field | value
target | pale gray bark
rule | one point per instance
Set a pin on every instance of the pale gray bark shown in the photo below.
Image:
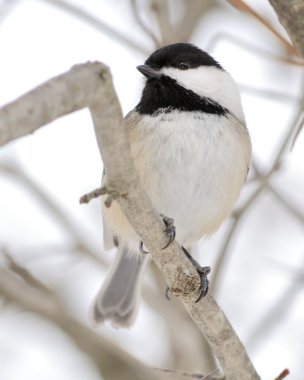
(291, 16)
(90, 85)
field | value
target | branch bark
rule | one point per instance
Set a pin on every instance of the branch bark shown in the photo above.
(291, 16)
(90, 85)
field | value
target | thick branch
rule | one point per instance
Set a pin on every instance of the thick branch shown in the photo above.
(91, 85)
(57, 97)
(291, 16)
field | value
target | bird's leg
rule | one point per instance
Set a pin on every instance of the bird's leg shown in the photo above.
(203, 273)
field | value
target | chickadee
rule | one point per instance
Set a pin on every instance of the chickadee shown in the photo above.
(191, 148)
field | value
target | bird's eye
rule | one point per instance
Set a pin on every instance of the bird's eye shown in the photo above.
(183, 65)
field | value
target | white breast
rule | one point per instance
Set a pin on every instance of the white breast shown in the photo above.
(192, 166)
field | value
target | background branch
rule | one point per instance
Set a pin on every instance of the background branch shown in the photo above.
(47, 305)
(291, 16)
(82, 243)
(96, 23)
(242, 6)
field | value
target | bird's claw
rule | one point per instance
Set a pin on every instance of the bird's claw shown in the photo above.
(203, 273)
(141, 248)
(169, 230)
(167, 293)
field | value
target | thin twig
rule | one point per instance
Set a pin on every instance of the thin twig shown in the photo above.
(81, 242)
(273, 95)
(298, 131)
(287, 140)
(149, 33)
(160, 9)
(223, 253)
(23, 272)
(112, 195)
(287, 204)
(242, 6)
(96, 23)
(252, 48)
(283, 374)
(274, 314)
(86, 198)
(194, 12)
(214, 375)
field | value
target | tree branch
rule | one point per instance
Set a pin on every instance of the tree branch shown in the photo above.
(244, 7)
(46, 304)
(253, 49)
(149, 32)
(75, 233)
(291, 16)
(69, 92)
(194, 13)
(91, 20)
(91, 85)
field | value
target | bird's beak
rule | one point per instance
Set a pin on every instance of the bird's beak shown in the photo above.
(148, 72)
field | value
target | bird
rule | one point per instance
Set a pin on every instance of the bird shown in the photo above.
(192, 150)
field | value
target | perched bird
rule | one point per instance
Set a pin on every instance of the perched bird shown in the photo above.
(192, 150)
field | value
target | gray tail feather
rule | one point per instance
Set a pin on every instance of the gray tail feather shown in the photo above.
(119, 297)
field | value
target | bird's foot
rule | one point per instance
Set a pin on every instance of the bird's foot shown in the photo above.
(203, 273)
(169, 231)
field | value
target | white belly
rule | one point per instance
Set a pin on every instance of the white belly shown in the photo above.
(192, 171)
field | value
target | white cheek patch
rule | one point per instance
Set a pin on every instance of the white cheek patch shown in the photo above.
(211, 82)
